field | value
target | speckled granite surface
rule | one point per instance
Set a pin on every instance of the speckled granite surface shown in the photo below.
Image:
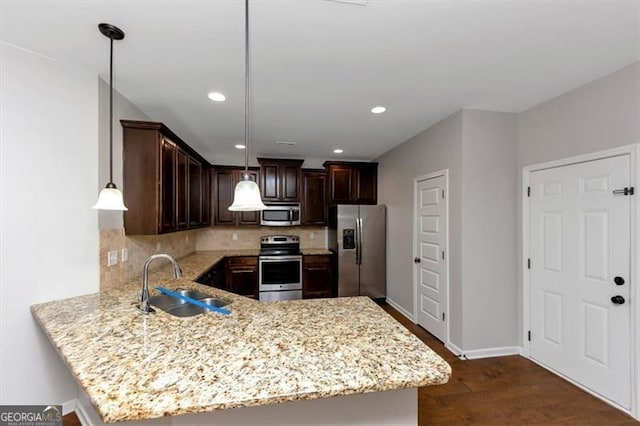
(135, 367)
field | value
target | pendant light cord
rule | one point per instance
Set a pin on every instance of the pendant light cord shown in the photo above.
(246, 89)
(111, 113)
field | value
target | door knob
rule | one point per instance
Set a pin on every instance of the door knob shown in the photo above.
(416, 260)
(618, 280)
(618, 300)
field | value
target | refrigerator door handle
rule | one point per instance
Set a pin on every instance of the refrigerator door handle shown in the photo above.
(359, 242)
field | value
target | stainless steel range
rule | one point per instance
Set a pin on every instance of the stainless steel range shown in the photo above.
(280, 268)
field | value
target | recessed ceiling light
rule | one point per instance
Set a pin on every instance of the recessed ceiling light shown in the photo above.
(338, 151)
(240, 146)
(378, 110)
(216, 96)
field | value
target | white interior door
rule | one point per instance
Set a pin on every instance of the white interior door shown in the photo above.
(430, 255)
(579, 243)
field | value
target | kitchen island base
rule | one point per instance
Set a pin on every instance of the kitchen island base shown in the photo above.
(397, 407)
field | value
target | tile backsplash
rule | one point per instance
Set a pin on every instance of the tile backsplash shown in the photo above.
(139, 247)
(180, 244)
(222, 238)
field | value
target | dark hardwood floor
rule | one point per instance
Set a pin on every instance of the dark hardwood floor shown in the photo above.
(505, 390)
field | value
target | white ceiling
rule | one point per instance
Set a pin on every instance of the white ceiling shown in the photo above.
(320, 66)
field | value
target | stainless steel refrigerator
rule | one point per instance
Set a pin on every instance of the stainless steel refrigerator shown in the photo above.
(357, 236)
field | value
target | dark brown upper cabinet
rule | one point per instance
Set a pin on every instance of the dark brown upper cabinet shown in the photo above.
(314, 197)
(164, 184)
(280, 179)
(225, 179)
(352, 182)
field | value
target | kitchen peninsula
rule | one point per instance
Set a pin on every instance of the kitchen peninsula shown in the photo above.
(134, 367)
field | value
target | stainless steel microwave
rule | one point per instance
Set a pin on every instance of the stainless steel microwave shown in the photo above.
(281, 214)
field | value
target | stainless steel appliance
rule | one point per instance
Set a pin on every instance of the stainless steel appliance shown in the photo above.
(280, 214)
(280, 268)
(357, 234)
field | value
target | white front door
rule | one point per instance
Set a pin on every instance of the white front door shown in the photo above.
(430, 255)
(579, 260)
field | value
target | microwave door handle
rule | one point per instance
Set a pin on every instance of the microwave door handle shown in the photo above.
(290, 216)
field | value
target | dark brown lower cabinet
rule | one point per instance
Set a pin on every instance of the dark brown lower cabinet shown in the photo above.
(316, 276)
(242, 276)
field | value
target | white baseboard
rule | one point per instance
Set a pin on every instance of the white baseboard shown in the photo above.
(488, 352)
(69, 406)
(400, 309)
(82, 416)
(455, 350)
(75, 405)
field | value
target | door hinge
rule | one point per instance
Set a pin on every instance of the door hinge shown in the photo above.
(529, 335)
(443, 316)
(528, 263)
(443, 193)
(625, 191)
(442, 254)
(528, 191)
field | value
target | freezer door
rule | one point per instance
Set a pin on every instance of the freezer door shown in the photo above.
(373, 264)
(347, 268)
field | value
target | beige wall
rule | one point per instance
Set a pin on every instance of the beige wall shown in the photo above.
(122, 109)
(479, 149)
(49, 237)
(489, 208)
(435, 149)
(221, 238)
(140, 247)
(600, 115)
(485, 153)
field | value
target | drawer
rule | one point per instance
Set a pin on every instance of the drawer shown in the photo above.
(323, 259)
(242, 261)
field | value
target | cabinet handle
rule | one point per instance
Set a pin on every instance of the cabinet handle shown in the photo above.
(237, 271)
(316, 269)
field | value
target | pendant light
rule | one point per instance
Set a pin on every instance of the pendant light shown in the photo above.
(110, 197)
(247, 194)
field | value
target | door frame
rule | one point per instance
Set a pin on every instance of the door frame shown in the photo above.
(633, 151)
(445, 174)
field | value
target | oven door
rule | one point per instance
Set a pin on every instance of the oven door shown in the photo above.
(278, 273)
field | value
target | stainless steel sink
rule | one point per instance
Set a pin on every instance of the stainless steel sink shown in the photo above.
(181, 308)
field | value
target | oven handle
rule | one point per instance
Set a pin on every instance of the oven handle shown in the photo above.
(280, 258)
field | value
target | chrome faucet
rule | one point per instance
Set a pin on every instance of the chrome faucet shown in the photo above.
(144, 294)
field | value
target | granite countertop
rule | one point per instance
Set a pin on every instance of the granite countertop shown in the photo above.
(136, 367)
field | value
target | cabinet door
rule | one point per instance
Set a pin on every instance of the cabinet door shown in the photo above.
(248, 218)
(290, 182)
(270, 181)
(316, 277)
(195, 193)
(366, 184)
(167, 185)
(224, 186)
(242, 276)
(182, 188)
(341, 183)
(206, 196)
(314, 205)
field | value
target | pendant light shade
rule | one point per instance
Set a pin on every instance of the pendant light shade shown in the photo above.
(246, 197)
(110, 197)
